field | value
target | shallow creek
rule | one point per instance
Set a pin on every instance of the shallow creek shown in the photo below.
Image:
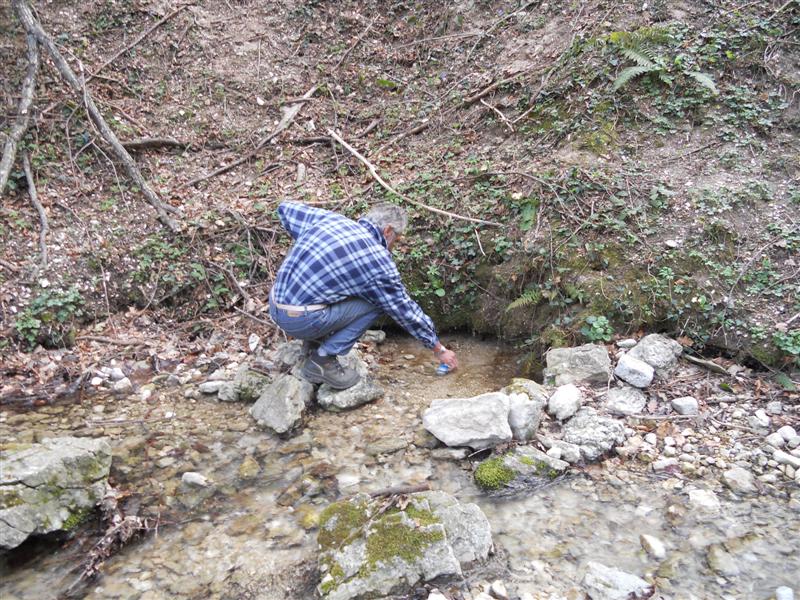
(255, 537)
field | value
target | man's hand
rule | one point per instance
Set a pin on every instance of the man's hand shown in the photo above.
(443, 355)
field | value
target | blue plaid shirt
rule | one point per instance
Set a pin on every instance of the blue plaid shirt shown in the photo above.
(334, 258)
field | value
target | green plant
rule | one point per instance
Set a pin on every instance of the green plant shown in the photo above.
(530, 297)
(49, 318)
(597, 329)
(788, 342)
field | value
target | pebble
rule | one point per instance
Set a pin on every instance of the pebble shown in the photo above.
(775, 407)
(651, 438)
(785, 458)
(194, 479)
(704, 501)
(97, 381)
(787, 432)
(669, 441)
(653, 546)
(626, 343)
(498, 590)
(123, 385)
(435, 595)
(409, 356)
(210, 387)
(663, 463)
(670, 451)
(793, 442)
(784, 593)
(775, 439)
(739, 480)
(686, 405)
(116, 374)
(762, 417)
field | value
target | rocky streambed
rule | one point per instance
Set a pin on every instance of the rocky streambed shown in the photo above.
(696, 504)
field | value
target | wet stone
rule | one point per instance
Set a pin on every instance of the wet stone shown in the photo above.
(589, 363)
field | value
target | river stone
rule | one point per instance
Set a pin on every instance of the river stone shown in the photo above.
(634, 371)
(721, 562)
(739, 480)
(594, 434)
(686, 405)
(367, 551)
(480, 422)
(366, 390)
(50, 486)
(606, 583)
(704, 502)
(589, 363)
(570, 453)
(282, 405)
(524, 416)
(625, 401)
(527, 460)
(248, 384)
(653, 546)
(658, 351)
(565, 402)
(287, 355)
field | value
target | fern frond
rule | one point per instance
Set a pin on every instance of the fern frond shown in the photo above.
(665, 79)
(528, 298)
(637, 56)
(630, 73)
(649, 35)
(704, 80)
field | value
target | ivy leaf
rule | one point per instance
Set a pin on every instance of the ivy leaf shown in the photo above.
(439, 292)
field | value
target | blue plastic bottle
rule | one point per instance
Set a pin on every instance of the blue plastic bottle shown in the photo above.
(442, 369)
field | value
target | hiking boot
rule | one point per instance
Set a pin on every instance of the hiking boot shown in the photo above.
(326, 369)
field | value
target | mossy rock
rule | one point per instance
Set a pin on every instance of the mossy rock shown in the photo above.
(493, 474)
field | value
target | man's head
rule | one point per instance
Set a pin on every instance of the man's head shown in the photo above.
(390, 219)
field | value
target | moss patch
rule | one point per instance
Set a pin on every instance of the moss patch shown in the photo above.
(76, 518)
(395, 536)
(492, 474)
(340, 521)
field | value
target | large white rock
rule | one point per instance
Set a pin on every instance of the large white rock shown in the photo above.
(479, 422)
(625, 400)
(606, 583)
(524, 416)
(634, 371)
(658, 351)
(588, 363)
(45, 487)
(282, 405)
(565, 402)
(595, 435)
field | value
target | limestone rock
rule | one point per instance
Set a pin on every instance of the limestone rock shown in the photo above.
(589, 363)
(653, 546)
(739, 480)
(375, 336)
(282, 405)
(625, 400)
(530, 388)
(565, 402)
(686, 405)
(479, 422)
(527, 400)
(364, 391)
(287, 355)
(594, 434)
(248, 384)
(570, 453)
(658, 351)
(49, 486)
(527, 460)
(606, 583)
(366, 552)
(634, 371)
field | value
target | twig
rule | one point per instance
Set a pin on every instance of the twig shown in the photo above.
(137, 40)
(288, 116)
(488, 90)
(149, 143)
(480, 246)
(23, 111)
(43, 226)
(253, 317)
(503, 118)
(401, 490)
(495, 25)
(389, 188)
(32, 26)
(113, 341)
(412, 131)
(356, 43)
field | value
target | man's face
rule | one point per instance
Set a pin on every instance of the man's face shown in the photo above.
(391, 236)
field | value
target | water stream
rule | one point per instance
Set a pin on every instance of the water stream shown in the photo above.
(256, 538)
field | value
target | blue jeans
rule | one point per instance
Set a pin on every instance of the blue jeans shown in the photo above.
(337, 327)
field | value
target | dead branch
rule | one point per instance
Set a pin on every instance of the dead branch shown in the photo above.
(389, 188)
(137, 41)
(115, 342)
(289, 115)
(356, 43)
(488, 90)
(496, 110)
(43, 225)
(149, 143)
(23, 112)
(402, 490)
(32, 26)
(412, 131)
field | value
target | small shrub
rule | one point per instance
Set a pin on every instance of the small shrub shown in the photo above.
(597, 329)
(49, 318)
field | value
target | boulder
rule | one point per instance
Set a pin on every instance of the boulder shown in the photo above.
(480, 422)
(658, 351)
(606, 583)
(634, 371)
(367, 551)
(524, 416)
(625, 400)
(282, 405)
(594, 434)
(565, 402)
(50, 486)
(587, 363)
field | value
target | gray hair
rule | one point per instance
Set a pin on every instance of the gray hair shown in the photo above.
(385, 214)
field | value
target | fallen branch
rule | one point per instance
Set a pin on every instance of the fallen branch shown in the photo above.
(288, 116)
(413, 131)
(137, 41)
(503, 118)
(23, 111)
(43, 225)
(402, 489)
(356, 43)
(488, 90)
(389, 188)
(149, 143)
(32, 26)
(113, 341)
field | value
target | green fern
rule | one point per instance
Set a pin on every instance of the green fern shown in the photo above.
(631, 73)
(528, 298)
(639, 56)
(704, 79)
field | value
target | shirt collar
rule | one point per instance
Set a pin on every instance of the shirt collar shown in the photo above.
(376, 233)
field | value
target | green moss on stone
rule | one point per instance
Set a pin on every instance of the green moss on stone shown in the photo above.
(422, 516)
(339, 521)
(76, 518)
(492, 474)
(9, 498)
(394, 536)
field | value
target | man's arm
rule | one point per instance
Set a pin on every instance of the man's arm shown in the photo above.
(296, 217)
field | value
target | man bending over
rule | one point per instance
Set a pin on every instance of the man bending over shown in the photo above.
(338, 277)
